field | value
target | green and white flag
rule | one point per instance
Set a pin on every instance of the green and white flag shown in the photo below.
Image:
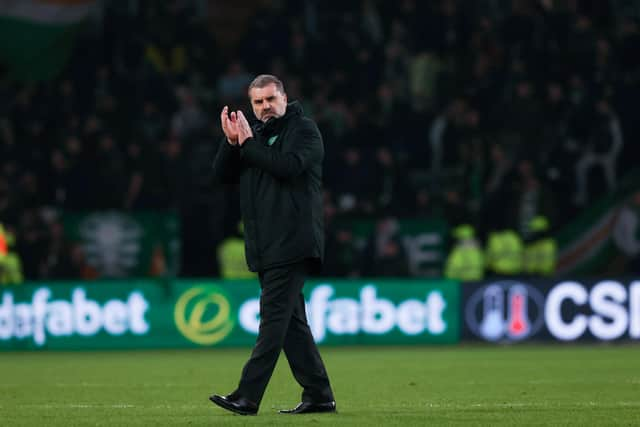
(603, 238)
(38, 35)
(126, 244)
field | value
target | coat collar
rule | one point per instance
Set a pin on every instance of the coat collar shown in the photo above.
(273, 125)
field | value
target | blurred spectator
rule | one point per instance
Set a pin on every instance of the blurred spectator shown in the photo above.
(342, 256)
(523, 119)
(554, 131)
(151, 126)
(532, 198)
(602, 149)
(77, 186)
(504, 250)
(389, 184)
(474, 168)
(424, 71)
(106, 83)
(189, 119)
(356, 191)
(443, 141)
(465, 261)
(166, 54)
(108, 177)
(10, 264)
(233, 84)
(54, 194)
(8, 208)
(78, 266)
(384, 255)
(629, 45)
(28, 194)
(496, 189)
(31, 243)
(540, 252)
(626, 233)
(424, 205)
(231, 254)
(65, 259)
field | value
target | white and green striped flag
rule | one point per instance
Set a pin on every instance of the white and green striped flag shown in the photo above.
(591, 244)
(37, 35)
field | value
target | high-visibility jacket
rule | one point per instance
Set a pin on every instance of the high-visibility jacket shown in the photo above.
(4, 244)
(174, 61)
(540, 257)
(233, 263)
(11, 270)
(465, 262)
(10, 265)
(504, 252)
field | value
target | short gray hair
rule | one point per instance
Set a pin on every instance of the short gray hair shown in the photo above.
(264, 80)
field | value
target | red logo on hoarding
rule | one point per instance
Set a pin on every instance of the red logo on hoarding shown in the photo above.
(505, 311)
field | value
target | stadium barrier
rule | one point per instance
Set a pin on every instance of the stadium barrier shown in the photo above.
(202, 313)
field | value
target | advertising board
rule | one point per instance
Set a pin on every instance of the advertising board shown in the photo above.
(205, 313)
(567, 310)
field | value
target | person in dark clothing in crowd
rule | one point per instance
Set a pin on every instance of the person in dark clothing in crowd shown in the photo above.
(342, 254)
(278, 163)
(384, 255)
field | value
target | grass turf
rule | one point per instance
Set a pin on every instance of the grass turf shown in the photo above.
(468, 385)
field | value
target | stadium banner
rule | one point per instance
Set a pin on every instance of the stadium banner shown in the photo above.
(604, 240)
(42, 35)
(506, 311)
(424, 241)
(121, 314)
(121, 244)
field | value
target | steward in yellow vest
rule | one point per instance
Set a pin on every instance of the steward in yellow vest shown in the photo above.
(233, 262)
(504, 253)
(4, 245)
(540, 253)
(466, 260)
(10, 265)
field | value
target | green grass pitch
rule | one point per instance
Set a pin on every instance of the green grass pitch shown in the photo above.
(466, 385)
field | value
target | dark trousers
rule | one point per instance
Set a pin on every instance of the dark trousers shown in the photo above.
(283, 325)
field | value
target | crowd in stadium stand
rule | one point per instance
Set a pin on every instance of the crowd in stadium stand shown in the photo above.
(483, 112)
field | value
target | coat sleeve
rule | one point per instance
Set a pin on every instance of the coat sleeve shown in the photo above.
(226, 165)
(305, 150)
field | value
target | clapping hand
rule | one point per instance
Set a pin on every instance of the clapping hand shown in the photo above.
(229, 125)
(243, 128)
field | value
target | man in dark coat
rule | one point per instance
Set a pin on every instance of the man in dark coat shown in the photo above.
(278, 163)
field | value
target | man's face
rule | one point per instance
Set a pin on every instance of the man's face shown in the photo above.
(267, 102)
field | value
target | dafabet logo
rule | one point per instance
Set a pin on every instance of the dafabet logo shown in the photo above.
(203, 315)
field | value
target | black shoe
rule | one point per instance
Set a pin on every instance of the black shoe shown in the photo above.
(236, 404)
(311, 408)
